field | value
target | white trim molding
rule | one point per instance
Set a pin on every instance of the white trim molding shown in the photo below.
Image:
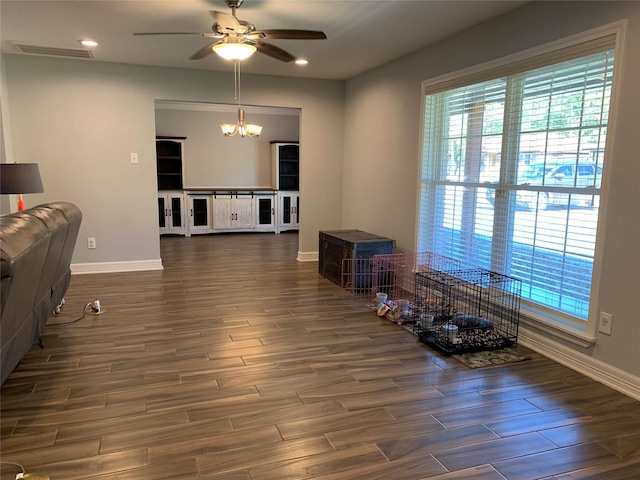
(612, 377)
(307, 256)
(225, 107)
(116, 267)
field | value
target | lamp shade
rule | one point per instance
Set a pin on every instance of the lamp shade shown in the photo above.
(18, 178)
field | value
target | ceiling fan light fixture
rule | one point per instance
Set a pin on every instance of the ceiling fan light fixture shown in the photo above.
(232, 48)
(302, 61)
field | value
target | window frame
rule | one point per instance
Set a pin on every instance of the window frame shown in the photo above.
(540, 317)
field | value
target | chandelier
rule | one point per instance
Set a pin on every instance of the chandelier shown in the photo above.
(242, 128)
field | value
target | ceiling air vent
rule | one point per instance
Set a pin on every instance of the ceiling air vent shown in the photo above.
(55, 51)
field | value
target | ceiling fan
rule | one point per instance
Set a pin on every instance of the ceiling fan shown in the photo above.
(241, 36)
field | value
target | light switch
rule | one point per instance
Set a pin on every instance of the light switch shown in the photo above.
(134, 158)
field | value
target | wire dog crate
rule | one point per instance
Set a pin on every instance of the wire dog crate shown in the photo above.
(357, 276)
(394, 275)
(467, 310)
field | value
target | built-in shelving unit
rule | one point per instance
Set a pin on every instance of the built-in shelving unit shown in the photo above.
(286, 165)
(190, 211)
(169, 152)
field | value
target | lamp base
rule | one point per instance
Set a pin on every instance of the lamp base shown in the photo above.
(20, 203)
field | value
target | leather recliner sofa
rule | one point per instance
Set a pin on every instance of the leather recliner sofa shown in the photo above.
(36, 246)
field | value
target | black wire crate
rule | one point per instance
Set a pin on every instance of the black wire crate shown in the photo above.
(467, 310)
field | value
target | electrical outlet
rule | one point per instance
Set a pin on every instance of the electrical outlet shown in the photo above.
(606, 319)
(91, 243)
(134, 158)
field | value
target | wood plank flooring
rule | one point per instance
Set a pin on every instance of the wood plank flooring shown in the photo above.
(237, 362)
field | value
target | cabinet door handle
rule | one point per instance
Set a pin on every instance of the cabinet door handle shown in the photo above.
(169, 212)
(191, 212)
(166, 212)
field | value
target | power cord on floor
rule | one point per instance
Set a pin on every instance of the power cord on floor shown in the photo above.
(91, 308)
(24, 475)
(18, 475)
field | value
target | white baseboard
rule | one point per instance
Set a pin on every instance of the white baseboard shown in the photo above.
(307, 256)
(116, 267)
(612, 377)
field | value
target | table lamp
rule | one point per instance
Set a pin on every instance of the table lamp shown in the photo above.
(20, 178)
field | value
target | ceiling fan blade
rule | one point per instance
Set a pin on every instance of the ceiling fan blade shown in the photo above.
(167, 33)
(203, 52)
(275, 52)
(207, 35)
(291, 34)
(226, 23)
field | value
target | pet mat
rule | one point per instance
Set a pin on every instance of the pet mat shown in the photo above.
(490, 358)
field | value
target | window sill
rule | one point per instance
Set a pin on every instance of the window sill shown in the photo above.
(557, 327)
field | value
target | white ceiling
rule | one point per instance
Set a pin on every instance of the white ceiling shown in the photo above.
(362, 34)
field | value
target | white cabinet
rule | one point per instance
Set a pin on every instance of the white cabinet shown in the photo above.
(233, 211)
(199, 214)
(285, 159)
(171, 213)
(265, 211)
(288, 210)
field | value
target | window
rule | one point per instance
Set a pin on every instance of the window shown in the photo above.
(511, 173)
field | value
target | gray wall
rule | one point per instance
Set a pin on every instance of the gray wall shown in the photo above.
(213, 160)
(382, 141)
(80, 120)
(6, 153)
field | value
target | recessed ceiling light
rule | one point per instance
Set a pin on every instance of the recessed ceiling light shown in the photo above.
(301, 61)
(89, 43)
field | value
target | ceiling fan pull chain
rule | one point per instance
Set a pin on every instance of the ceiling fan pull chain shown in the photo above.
(237, 69)
(238, 81)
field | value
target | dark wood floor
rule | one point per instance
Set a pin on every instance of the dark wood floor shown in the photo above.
(238, 362)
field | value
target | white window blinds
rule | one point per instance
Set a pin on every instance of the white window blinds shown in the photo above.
(512, 168)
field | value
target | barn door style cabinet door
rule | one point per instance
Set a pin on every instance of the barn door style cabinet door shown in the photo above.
(171, 213)
(232, 211)
(288, 211)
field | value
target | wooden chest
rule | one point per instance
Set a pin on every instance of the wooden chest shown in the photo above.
(336, 245)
